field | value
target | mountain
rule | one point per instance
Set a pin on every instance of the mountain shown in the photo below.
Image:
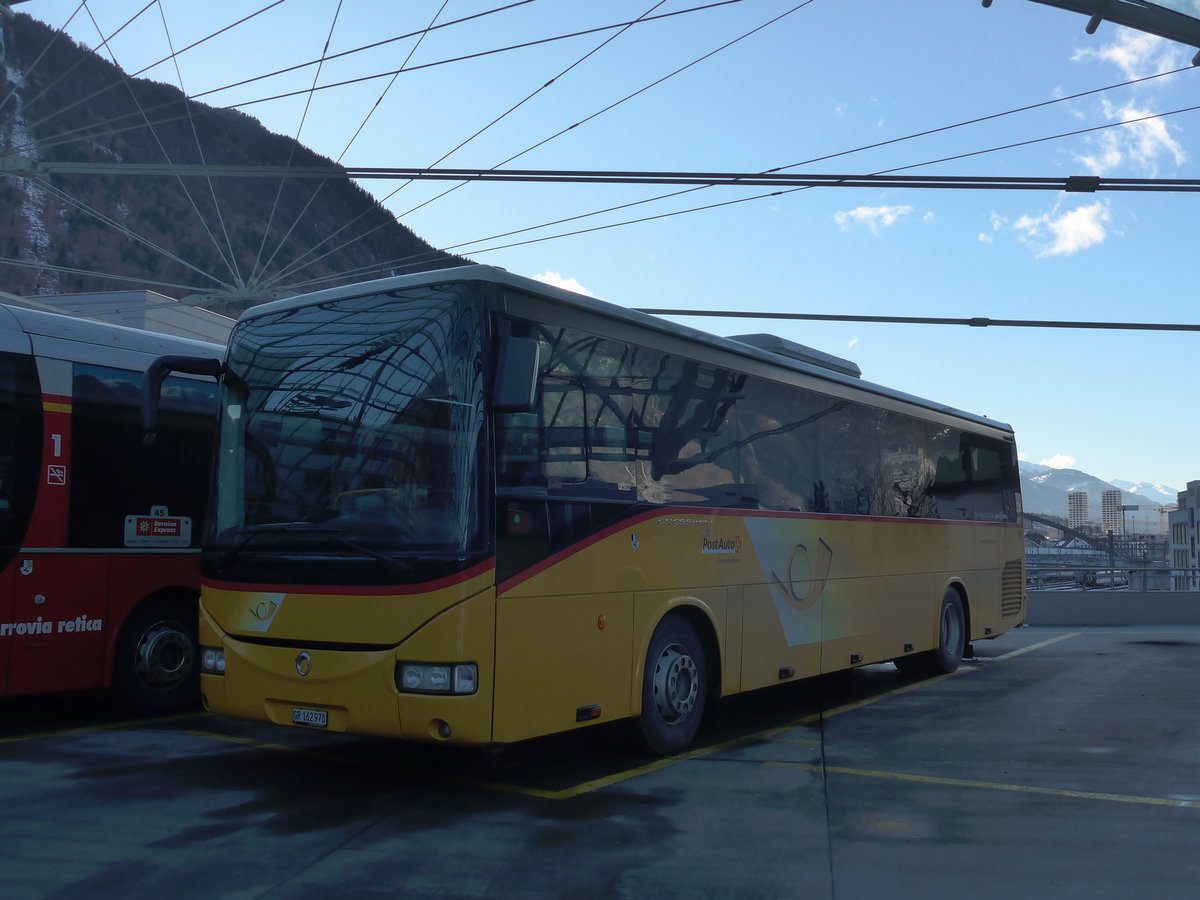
(1160, 492)
(1044, 491)
(59, 102)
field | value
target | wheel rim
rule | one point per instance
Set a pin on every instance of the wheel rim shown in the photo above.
(164, 656)
(676, 684)
(952, 628)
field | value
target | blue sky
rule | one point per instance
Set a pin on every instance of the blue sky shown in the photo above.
(822, 81)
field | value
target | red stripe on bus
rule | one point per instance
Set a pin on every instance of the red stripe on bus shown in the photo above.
(695, 511)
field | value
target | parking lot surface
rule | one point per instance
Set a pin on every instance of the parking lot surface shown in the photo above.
(1057, 763)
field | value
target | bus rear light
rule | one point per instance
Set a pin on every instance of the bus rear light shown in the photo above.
(437, 678)
(212, 661)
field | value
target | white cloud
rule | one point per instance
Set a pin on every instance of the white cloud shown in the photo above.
(1136, 54)
(567, 284)
(1055, 234)
(1142, 143)
(851, 343)
(1060, 461)
(998, 223)
(876, 218)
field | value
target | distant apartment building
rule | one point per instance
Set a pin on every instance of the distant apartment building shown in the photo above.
(1182, 524)
(1077, 510)
(1111, 516)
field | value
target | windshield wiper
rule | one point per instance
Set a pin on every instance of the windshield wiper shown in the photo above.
(391, 561)
(250, 532)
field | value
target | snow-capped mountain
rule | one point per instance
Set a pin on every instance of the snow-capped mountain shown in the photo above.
(1044, 490)
(1160, 492)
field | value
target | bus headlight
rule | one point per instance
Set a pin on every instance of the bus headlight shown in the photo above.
(437, 678)
(212, 661)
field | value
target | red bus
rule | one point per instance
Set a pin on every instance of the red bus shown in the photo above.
(99, 566)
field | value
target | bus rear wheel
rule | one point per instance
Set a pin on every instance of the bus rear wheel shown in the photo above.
(156, 667)
(952, 641)
(674, 687)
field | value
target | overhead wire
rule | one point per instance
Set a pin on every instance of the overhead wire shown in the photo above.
(30, 101)
(127, 232)
(162, 148)
(346, 149)
(296, 266)
(229, 260)
(972, 322)
(464, 247)
(92, 273)
(254, 271)
(288, 69)
(611, 106)
(793, 165)
(482, 53)
(108, 87)
(58, 32)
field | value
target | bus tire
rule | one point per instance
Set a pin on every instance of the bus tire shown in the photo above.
(674, 687)
(157, 664)
(952, 641)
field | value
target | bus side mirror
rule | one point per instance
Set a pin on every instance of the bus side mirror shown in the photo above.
(152, 385)
(517, 363)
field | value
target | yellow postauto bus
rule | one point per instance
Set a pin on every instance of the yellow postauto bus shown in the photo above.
(465, 506)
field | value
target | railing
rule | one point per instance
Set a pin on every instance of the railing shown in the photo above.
(1067, 577)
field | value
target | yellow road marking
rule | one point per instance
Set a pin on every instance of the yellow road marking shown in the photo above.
(1046, 643)
(991, 785)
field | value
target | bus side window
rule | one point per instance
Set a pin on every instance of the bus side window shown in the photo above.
(114, 474)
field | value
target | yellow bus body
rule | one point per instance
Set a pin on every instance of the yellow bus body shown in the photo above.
(776, 596)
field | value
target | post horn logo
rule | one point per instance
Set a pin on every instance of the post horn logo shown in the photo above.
(303, 663)
(264, 610)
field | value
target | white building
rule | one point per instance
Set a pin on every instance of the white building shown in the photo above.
(1182, 524)
(1111, 516)
(1077, 509)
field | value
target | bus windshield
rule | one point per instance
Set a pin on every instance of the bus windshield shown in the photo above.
(354, 429)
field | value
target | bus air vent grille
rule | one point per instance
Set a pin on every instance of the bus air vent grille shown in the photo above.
(1012, 590)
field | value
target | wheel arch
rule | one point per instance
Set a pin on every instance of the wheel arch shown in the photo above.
(171, 649)
(162, 593)
(702, 620)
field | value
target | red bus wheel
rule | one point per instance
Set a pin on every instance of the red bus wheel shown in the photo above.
(156, 667)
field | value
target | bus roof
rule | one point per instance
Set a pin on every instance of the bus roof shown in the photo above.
(765, 348)
(47, 329)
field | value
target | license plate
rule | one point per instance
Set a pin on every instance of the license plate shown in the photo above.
(315, 718)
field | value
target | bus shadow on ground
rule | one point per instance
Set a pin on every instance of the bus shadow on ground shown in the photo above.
(558, 766)
(555, 767)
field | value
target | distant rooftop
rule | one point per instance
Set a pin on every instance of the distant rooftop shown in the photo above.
(147, 310)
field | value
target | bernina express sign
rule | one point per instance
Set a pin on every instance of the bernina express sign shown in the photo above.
(159, 529)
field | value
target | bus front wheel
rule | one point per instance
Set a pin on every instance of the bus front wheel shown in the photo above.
(952, 641)
(156, 669)
(674, 687)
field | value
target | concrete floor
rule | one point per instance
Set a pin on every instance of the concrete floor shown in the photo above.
(1057, 763)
